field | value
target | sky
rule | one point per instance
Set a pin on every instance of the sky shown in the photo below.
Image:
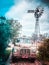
(17, 9)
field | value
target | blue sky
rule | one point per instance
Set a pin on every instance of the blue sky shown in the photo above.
(17, 9)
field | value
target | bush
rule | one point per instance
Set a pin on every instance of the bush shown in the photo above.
(6, 55)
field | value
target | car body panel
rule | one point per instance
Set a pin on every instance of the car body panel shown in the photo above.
(24, 50)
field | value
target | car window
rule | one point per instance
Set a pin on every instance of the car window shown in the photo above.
(23, 41)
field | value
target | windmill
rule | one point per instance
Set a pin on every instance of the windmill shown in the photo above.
(37, 13)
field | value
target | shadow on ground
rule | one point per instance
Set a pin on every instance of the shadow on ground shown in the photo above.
(24, 60)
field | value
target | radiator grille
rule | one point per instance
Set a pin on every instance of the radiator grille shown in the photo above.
(25, 51)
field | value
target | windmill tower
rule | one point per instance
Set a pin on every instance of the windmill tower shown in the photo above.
(37, 13)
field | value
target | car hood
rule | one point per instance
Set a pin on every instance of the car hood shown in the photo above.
(24, 45)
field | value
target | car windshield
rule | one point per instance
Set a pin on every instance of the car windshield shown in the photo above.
(24, 40)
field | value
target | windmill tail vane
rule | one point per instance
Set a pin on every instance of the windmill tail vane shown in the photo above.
(30, 11)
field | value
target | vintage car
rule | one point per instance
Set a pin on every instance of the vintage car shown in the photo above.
(24, 49)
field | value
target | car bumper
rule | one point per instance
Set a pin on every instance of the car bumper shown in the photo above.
(24, 56)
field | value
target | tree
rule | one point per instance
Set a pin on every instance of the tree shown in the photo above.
(15, 28)
(44, 51)
(9, 29)
(4, 34)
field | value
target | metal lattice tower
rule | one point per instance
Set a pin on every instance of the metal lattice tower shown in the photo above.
(37, 13)
(37, 28)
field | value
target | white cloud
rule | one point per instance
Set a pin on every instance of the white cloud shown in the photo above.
(27, 19)
(17, 11)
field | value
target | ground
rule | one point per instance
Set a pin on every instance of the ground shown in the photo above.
(9, 62)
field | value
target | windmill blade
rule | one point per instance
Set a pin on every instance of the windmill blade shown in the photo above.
(30, 11)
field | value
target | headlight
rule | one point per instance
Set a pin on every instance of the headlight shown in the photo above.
(33, 50)
(15, 50)
(37, 52)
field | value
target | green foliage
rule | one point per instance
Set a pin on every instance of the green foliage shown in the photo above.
(44, 51)
(6, 54)
(9, 29)
(4, 34)
(15, 28)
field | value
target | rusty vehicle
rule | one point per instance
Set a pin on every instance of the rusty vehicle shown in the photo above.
(24, 49)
